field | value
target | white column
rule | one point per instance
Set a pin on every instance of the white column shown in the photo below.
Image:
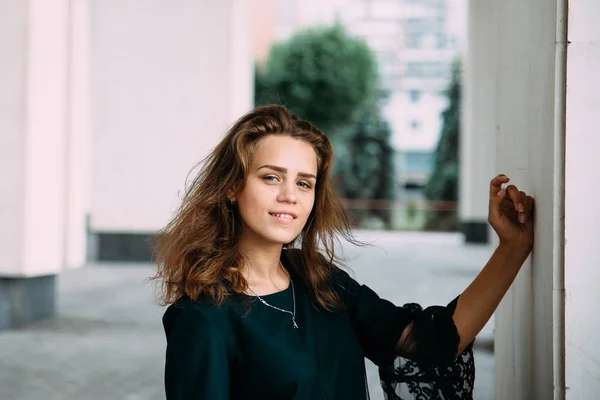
(79, 135)
(478, 122)
(169, 78)
(582, 214)
(35, 164)
(14, 23)
(529, 110)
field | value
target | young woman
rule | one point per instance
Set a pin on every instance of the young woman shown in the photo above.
(260, 308)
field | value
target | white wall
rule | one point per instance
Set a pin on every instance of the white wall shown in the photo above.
(13, 42)
(526, 136)
(546, 101)
(582, 214)
(168, 80)
(78, 157)
(35, 106)
(46, 136)
(512, 124)
(478, 113)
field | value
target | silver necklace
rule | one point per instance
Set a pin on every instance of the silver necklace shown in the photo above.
(292, 313)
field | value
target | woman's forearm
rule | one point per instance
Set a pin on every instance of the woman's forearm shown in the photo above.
(477, 303)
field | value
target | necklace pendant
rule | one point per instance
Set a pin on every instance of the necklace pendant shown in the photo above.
(295, 324)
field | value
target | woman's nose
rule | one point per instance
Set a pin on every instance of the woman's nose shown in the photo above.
(288, 193)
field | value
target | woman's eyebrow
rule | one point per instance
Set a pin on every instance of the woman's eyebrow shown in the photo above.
(284, 170)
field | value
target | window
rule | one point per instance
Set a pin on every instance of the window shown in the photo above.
(414, 95)
(426, 69)
(440, 41)
(416, 25)
(388, 69)
(419, 162)
(414, 40)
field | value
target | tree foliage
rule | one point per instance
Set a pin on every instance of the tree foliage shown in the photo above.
(322, 74)
(367, 167)
(443, 182)
(330, 78)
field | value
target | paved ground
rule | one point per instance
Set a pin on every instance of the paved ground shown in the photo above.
(107, 340)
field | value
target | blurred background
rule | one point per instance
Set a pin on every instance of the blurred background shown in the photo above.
(382, 78)
(108, 106)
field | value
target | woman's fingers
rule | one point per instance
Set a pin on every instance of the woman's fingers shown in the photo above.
(496, 184)
(522, 203)
(530, 207)
(517, 197)
(496, 200)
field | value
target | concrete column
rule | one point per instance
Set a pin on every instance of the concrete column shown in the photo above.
(79, 162)
(582, 214)
(36, 163)
(478, 122)
(529, 73)
(168, 79)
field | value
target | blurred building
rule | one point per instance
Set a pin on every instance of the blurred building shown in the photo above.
(416, 42)
(433, 39)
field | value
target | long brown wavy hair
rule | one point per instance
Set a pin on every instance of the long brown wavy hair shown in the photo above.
(199, 248)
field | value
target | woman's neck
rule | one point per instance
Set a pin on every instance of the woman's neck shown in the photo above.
(261, 263)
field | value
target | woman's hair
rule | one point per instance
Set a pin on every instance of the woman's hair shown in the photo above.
(198, 251)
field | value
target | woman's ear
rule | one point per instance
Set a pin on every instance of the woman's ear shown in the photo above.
(233, 191)
(231, 196)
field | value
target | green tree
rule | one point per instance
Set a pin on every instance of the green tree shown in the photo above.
(322, 74)
(443, 182)
(366, 169)
(330, 78)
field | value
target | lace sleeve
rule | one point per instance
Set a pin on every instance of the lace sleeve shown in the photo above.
(414, 348)
(426, 367)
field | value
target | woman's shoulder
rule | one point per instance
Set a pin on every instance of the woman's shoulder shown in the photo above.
(202, 314)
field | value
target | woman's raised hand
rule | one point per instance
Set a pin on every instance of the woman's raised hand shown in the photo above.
(511, 214)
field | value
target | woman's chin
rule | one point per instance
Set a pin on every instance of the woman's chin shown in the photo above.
(272, 236)
(282, 239)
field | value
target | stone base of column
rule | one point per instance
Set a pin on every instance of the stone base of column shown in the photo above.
(475, 231)
(26, 300)
(120, 247)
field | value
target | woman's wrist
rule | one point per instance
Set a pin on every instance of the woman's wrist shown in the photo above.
(516, 251)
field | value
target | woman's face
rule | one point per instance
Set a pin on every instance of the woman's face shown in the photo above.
(280, 190)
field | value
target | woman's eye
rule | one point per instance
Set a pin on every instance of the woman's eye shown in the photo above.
(304, 185)
(271, 178)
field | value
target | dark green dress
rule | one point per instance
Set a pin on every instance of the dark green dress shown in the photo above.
(246, 350)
